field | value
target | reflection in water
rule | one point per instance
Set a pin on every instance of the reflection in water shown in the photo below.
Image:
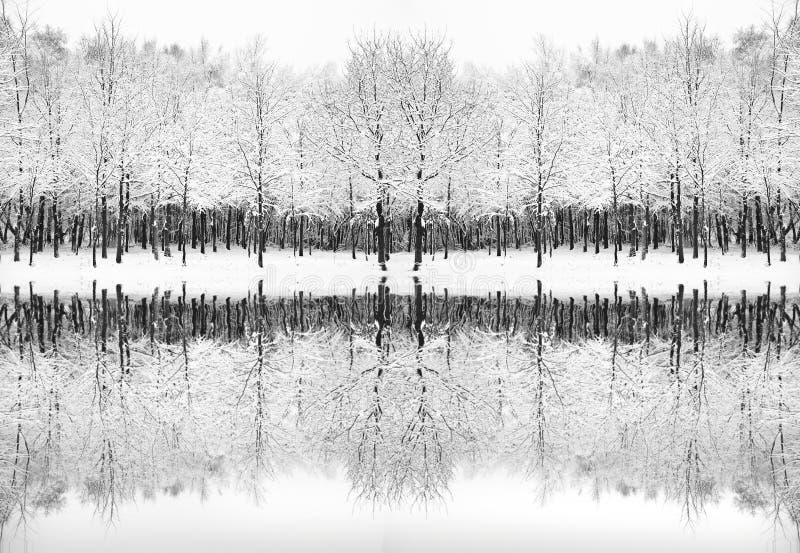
(687, 397)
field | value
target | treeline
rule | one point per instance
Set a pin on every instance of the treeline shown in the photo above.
(637, 232)
(110, 142)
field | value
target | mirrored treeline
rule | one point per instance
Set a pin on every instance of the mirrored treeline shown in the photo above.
(690, 398)
(629, 316)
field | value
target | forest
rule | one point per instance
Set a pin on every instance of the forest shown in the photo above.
(112, 144)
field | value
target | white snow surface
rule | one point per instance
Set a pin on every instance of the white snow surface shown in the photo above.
(233, 273)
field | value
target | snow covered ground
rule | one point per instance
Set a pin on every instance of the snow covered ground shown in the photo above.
(566, 273)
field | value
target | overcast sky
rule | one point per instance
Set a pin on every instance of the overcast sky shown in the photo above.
(488, 32)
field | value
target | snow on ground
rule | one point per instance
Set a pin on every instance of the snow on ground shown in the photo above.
(232, 273)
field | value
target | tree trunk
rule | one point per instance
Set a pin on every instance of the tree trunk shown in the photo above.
(259, 224)
(538, 236)
(182, 232)
(214, 231)
(646, 229)
(725, 235)
(418, 229)
(571, 230)
(203, 219)
(120, 221)
(743, 228)
(56, 226)
(695, 228)
(104, 226)
(18, 231)
(759, 225)
(678, 218)
(380, 232)
(152, 228)
(302, 234)
(165, 235)
(585, 230)
(781, 230)
(93, 233)
(228, 229)
(497, 227)
(617, 237)
(38, 242)
(194, 229)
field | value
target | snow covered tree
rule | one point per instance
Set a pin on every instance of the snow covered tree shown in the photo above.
(262, 97)
(108, 57)
(55, 101)
(748, 101)
(538, 100)
(360, 131)
(16, 27)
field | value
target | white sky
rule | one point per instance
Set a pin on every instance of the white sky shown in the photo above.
(488, 32)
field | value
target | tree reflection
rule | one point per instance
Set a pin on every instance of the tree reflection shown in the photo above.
(687, 398)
